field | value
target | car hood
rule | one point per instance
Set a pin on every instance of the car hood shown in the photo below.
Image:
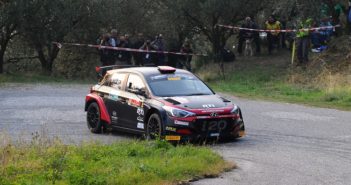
(198, 102)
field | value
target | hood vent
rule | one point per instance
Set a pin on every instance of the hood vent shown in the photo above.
(225, 100)
(172, 101)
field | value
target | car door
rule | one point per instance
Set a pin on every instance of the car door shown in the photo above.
(113, 89)
(132, 111)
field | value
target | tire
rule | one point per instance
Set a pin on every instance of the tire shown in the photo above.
(153, 127)
(94, 119)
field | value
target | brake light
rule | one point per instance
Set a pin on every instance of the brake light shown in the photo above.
(184, 131)
(166, 69)
(97, 69)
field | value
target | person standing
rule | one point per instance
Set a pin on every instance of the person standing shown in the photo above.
(146, 55)
(138, 57)
(106, 55)
(273, 26)
(115, 42)
(159, 44)
(247, 34)
(185, 60)
(125, 56)
(303, 39)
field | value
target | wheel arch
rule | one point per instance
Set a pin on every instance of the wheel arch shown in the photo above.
(93, 98)
(150, 112)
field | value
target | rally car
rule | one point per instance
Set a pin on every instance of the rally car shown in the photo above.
(160, 102)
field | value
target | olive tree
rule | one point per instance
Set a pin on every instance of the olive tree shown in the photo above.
(204, 16)
(47, 21)
(10, 11)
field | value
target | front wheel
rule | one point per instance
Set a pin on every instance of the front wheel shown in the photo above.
(153, 127)
(93, 118)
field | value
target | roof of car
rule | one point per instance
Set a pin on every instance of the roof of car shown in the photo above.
(145, 71)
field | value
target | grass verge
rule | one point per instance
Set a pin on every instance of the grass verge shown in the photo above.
(271, 78)
(132, 162)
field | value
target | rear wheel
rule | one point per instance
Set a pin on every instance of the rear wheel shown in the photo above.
(93, 118)
(153, 127)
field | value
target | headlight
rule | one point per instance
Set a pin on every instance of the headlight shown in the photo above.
(235, 110)
(174, 112)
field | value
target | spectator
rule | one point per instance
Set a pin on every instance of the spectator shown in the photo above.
(246, 34)
(115, 42)
(159, 45)
(106, 55)
(125, 56)
(273, 37)
(321, 37)
(338, 9)
(147, 56)
(303, 41)
(138, 57)
(185, 60)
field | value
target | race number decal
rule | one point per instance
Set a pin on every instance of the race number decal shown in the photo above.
(214, 125)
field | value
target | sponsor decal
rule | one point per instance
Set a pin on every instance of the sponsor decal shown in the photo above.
(183, 123)
(140, 126)
(113, 97)
(171, 129)
(207, 106)
(172, 138)
(214, 114)
(140, 111)
(114, 117)
(174, 78)
(140, 118)
(158, 77)
(211, 111)
(202, 117)
(135, 103)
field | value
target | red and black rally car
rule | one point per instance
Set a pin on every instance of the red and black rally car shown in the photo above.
(161, 102)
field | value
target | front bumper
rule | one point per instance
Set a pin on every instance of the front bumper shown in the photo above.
(204, 128)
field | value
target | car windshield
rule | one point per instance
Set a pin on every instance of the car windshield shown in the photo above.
(168, 85)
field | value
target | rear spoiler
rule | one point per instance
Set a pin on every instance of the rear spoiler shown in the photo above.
(101, 71)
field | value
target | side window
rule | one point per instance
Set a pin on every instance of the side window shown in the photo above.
(106, 81)
(135, 83)
(117, 81)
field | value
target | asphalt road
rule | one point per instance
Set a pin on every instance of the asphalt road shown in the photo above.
(285, 143)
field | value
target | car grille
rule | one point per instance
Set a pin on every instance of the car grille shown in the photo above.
(211, 127)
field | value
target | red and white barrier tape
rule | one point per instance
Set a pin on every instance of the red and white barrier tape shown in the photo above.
(278, 31)
(60, 45)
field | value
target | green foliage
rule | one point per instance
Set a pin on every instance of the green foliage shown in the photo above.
(270, 80)
(131, 162)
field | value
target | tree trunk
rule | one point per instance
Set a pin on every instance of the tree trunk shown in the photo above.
(45, 68)
(1, 62)
(217, 46)
(47, 62)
